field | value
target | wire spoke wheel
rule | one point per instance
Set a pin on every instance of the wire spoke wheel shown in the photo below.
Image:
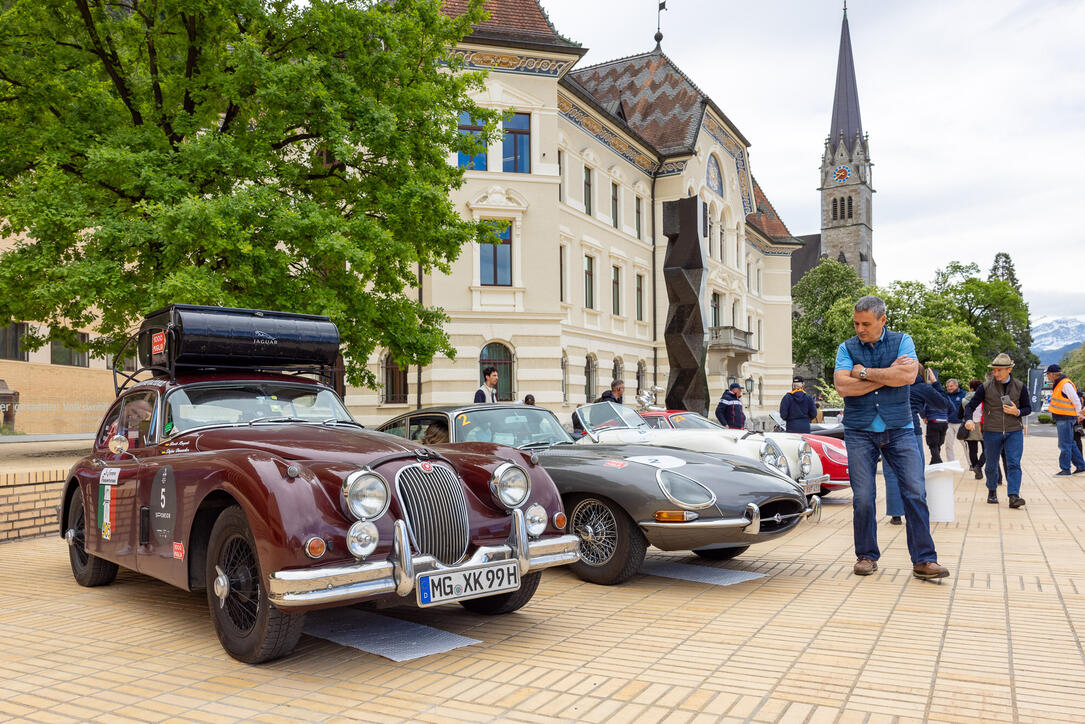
(79, 543)
(597, 529)
(242, 603)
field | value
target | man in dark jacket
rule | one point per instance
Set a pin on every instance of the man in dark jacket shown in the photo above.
(1005, 404)
(954, 395)
(729, 410)
(614, 394)
(798, 408)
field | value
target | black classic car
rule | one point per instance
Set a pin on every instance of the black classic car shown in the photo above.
(619, 498)
(230, 471)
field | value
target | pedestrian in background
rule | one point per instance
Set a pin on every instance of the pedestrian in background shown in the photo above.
(937, 418)
(729, 409)
(1005, 404)
(974, 440)
(529, 400)
(954, 396)
(614, 394)
(873, 372)
(921, 396)
(797, 408)
(1065, 409)
(487, 391)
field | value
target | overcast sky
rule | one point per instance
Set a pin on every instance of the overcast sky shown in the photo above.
(975, 111)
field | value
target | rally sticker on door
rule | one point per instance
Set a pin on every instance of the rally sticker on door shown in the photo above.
(107, 514)
(163, 506)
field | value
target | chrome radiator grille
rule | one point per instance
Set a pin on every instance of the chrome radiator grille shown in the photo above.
(436, 511)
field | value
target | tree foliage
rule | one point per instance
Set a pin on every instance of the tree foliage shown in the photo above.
(274, 155)
(814, 339)
(1073, 366)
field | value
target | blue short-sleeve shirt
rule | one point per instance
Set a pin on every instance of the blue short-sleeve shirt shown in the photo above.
(845, 362)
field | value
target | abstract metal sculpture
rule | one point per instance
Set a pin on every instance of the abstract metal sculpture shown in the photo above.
(684, 274)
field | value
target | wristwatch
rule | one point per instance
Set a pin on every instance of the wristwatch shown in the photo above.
(862, 373)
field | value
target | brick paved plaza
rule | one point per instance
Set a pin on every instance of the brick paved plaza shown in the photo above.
(998, 641)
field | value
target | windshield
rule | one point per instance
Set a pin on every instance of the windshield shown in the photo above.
(692, 421)
(233, 403)
(609, 416)
(516, 427)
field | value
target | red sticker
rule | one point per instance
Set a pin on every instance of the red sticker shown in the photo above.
(615, 463)
(178, 549)
(427, 467)
(158, 343)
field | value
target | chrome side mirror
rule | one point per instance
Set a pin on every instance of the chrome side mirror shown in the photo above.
(118, 444)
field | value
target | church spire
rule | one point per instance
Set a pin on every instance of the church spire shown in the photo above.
(846, 100)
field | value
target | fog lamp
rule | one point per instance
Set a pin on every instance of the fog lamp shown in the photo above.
(362, 538)
(535, 518)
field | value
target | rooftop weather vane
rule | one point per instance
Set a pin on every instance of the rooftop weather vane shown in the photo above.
(662, 7)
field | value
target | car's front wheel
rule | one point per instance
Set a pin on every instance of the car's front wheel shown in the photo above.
(248, 626)
(721, 554)
(611, 545)
(88, 570)
(505, 602)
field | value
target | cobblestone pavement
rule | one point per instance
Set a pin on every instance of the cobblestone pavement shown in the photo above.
(998, 641)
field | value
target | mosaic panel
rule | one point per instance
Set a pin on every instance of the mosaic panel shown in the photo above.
(512, 62)
(738, 153)
(580, 117)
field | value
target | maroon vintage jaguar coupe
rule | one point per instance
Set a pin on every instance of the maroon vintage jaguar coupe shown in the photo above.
(230, 471)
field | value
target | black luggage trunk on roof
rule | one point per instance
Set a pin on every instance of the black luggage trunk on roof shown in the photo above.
(190, 336)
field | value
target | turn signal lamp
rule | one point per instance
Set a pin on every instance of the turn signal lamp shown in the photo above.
(560, 520)
(315, 547)
(675, 516)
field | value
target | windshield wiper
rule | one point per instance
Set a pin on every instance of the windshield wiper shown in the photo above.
(277, 419)
(336, 421)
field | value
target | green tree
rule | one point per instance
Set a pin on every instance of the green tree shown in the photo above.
(814, 338)
(941, 341)
(1004, 269)
(255, 154)
(1073, 366)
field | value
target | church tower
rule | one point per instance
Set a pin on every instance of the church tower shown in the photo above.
(846, 190)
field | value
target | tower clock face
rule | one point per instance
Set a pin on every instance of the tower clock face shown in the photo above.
(841, 174)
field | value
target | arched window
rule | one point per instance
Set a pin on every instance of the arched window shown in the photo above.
(590, 373)
(498, 356)
(564, 378)
(642, 377)
(849, 206)
(617, 372)
(834, 209)
(395, 381)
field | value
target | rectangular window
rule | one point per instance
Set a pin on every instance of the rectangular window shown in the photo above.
(468, 126)
(640, 297)
(496, 259)
(759, 330)
(561, 273)
(11, 342)
(715, 309)
(61, 354)
(589, 282)
(614, 204)
(587, 190)
(395, 382)
(561, 175)
(516, 148)
(637, 203)
(616, 290)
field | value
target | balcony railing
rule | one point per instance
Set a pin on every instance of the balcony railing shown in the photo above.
(729, 338)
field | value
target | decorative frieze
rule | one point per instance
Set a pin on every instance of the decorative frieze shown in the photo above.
(512, 62)
(600, 132)
(712, 127)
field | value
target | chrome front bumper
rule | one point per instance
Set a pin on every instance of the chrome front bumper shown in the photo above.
(750, 522)
(396, 574)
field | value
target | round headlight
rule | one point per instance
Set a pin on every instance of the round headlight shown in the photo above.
(535, 517)
(365, 494)
(684, 491)
(510, 485)
(806, 458)
(362, 538)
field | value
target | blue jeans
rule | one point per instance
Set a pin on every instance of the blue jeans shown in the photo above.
(993, 444)
(902, 455)
(1068, 452)
(894, 506)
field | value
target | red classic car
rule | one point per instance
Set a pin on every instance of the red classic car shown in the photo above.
(225, 473)
(834, 461)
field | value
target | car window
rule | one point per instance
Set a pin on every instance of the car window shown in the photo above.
(137, 420)
(428, 429)
(396, 427)
(657, 422)
(250, 402)
(692, 421)
(109, 425)
(608, 415)
(515, 426)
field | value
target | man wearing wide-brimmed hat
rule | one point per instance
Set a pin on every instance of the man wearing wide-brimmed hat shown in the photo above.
(1005, 404)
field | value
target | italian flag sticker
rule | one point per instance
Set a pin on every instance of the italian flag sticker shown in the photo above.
(107, 515)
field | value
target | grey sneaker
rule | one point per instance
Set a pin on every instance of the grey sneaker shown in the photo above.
(865, 566)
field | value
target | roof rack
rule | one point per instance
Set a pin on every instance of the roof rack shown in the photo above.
(191, 338)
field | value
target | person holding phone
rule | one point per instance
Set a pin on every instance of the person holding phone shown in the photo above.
(1005, 404)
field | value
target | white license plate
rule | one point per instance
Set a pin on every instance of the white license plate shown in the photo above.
(813, 486)
(435, 588)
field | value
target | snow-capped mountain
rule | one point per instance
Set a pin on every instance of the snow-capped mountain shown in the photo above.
(1053, 337)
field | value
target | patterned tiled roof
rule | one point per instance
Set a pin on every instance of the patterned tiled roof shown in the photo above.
(765, 217)
(514, 21)
(654, 97)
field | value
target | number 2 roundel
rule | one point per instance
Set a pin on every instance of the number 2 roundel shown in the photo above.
(841, 174)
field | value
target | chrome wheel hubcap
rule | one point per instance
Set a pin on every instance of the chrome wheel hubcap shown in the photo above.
(597, 529)
(222, 586)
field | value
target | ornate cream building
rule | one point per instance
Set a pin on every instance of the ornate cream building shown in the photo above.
(574, 295)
